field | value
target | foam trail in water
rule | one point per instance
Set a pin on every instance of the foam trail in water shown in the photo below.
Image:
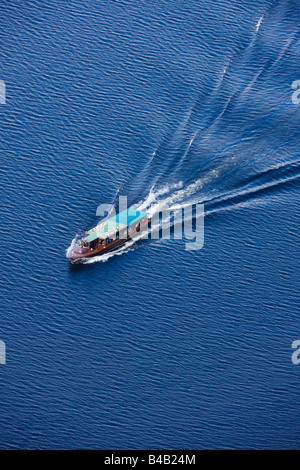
(259, 23)
(153, 196)
(154, 203)
(73, 244)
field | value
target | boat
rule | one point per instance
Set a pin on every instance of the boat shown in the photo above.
(110, 234)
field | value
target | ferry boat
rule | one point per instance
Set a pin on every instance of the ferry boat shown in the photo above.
(110, 234)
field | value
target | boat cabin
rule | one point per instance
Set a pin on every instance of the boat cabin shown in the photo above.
(114, 230)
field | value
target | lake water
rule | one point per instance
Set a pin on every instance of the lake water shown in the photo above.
(155, 347)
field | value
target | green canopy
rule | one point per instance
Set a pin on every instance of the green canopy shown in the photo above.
(110, 227)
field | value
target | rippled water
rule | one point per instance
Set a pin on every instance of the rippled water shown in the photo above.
(167, 103)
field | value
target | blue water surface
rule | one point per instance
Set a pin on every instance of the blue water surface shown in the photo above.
(156, 347)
